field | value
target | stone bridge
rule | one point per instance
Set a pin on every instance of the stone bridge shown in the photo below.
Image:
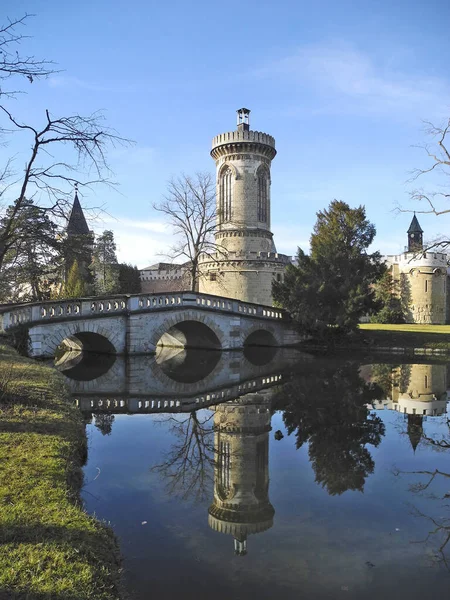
(135, 324)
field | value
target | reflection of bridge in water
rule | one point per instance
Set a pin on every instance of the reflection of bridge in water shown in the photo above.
(173, 381)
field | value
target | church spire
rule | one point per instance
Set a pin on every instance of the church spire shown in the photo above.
(415, 235)
(77, 224)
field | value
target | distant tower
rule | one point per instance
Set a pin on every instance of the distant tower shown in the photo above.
(77, 224)
(425, 395)
(419, 392)
(415, 236)
(246, 262)
(422, 275)
(79, 241)
(241, 505)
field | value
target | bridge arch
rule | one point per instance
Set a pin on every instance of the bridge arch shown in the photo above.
(191, 331)
(260, 336)
(88, 336)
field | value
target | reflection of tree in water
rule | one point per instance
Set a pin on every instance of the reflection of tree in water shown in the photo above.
(327, 408)
(439, 533)
(104, 422)
(189, 465)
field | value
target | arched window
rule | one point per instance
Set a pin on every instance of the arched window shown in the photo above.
(262, 196)
(226, 194)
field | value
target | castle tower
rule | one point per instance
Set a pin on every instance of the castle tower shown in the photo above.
(241, 505)
(418, 392)
(422, 275)
(77, 224)
(79, 241)
(246, 261)
(415, 236)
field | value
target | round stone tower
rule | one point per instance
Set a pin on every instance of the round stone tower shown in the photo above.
(241, 503)
(246, 261)
(423, 279)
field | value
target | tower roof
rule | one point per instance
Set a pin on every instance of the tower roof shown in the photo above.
(415, 227)
(415, 430)
(77, 224)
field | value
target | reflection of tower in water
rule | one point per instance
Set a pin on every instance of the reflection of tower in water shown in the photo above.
(241, 505)
(418, 391)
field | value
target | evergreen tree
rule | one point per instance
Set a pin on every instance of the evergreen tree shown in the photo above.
(388, 298)
(29, 262)
(129, 279)
(74, 286)
(334, 284)
(105, 267)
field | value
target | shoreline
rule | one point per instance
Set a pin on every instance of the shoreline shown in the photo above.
(410, 340)
(49, 546)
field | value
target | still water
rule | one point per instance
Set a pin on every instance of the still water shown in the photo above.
(269, 474)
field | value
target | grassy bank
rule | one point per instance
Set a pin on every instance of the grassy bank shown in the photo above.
(49, 547)
(431, 337)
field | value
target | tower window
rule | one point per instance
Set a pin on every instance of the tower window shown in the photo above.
(224, 465)
(262, 196)
(426, 285)
(225, 192)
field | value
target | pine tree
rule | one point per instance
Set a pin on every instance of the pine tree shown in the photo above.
(105, 267)
(334, 284)
(74, 285)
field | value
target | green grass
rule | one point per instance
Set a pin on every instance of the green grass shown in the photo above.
(406, 336)
(49, 547)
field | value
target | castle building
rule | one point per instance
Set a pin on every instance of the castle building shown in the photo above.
(419, 392)
(241, 505)
(245, 262)
(421, 276)
(165, 277)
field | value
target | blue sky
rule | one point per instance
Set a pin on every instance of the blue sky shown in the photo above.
(343, 87)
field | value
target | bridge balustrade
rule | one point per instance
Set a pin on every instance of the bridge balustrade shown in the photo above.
(79, 308)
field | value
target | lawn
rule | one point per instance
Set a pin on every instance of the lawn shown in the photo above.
(49, 547)
(406, 336)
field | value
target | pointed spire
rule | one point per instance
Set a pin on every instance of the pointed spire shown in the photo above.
(77, 224)
(415, 430)
(415, 227)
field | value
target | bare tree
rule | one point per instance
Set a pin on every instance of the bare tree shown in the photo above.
(438, 153)
(189, 465)
(439, 532)
(12, 62)
(47, 178)
(190, 206)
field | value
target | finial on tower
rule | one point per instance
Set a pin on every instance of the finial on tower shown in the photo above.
(243, 119)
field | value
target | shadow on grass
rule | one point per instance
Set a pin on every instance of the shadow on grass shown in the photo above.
(37, 533)
(26, 595)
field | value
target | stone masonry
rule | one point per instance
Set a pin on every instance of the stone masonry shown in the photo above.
(246, 262)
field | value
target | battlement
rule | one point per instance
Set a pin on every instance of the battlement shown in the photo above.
(243, 136)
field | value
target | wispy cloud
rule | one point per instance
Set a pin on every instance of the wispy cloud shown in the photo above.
(66, 81)
(352, 81)
(138, 242)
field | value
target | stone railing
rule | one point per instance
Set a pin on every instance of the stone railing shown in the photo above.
(12, 316)
(176, 404)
